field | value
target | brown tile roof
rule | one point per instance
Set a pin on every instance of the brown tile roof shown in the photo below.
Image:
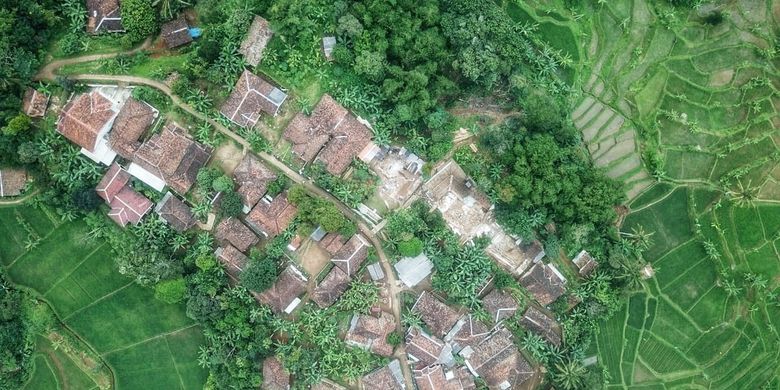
(327, 384)
(544, 283)
(112, 182)
(103, 16)
(12, 181)
(386, 378)
(438, 317)
(83, 117)
(330, 289)
(469, 331)
(236, 233)
(34, 103)
(498, 361)
(289, 285)
(585, 263)
(251, 96)
(133, 120)
(253, 178)
(174, 157)
(437, 378)
(371, 332)
(272, 218)
(232, 260)
(332, 242)
(542, 324)
(129, 206)
(256, 40)
(499, 304)
(426, 350)
(331, 134)
(352, 254)
(176, 32)
(275, 377)
(175, 212)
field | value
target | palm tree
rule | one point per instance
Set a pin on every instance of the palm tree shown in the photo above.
(569, 375)
(169, 7)
(731, 288)
(743, 196)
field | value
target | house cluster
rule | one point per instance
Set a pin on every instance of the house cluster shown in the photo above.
(105, 16)
(111, 128)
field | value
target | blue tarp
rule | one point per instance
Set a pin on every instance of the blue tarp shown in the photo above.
(195, 32)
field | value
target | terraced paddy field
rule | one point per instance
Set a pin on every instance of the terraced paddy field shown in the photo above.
(688, 98)
(146, 343)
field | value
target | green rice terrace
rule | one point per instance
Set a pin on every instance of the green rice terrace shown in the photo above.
(690, 98)
(141, 339)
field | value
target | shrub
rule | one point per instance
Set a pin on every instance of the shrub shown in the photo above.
(170, 291)
(260, 274)
(139, 19)
(411, 247)
(394, 339)
(230, 204)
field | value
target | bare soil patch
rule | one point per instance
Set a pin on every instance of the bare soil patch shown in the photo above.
(312, 258)
(228, 156)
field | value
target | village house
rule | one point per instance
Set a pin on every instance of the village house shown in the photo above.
(500, 305)
(352, 254)
(252, 96)
(413, 270)
(425, 350)
(542, 324)
(231, 230)
(253, 178)
(544, 282)
(176, 32)
(400, 175)
(85, 120)
(388, 377)
(34, 103)
(328, 44)
(12, 181)
(103, 16)
(232, 260)
(498, 362)
(133, 120)
(127, 205)
(438, 317)
(282, 297)
(170, 157)
(327, 384)
(175, 212)
(370, 333)
(331, 135)
(468, 212)
(257, 38)
(275, 377)
(272, 217)
(467, 332)
(585, 263)
(330, 242)
(436, 377)
(330, 289)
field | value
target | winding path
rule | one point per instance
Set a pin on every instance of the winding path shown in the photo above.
(49, 73)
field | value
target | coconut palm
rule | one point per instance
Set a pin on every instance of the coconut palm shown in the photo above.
(743, 195)
(169, 7)
(569, 375)
(731, 288)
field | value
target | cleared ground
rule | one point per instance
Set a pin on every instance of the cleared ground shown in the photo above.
(147, 343)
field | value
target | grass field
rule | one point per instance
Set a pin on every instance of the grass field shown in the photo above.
(54, 369)
(148, 344)
(695, 105)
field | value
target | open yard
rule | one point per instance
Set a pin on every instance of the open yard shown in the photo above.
(148, 344)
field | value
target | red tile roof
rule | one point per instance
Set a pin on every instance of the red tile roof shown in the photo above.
(330, 289)
(290, 284)
(34, 103)
(425, 349)
(388, 377)
(251, 96)
(272, 218)
(253, 178)
(236, 233)
(174, 211)
(133, 120)
(352, 254)
(332, 242)
(498, 362)
(330, 134)
(543, 283)
(437, 378)
(438, 317)
(542, 324)
(112, 182)
(129, 206)
(174, 157)
(469, 331)
(500, 305)
(83, 117)
(369, 332)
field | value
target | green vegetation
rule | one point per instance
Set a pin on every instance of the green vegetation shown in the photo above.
(74, 273)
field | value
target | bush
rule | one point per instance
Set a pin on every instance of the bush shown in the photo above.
(411, 247)
(205, 263)
(152, 96)
(222, 184)
(170, 291)
(19, 124)
(71, 43)
(394, 339)
(260, 275)
(230, 204)
(139, 19)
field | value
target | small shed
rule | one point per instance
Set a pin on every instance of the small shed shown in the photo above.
(176, 33)
(328, 43)
(412, 270)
